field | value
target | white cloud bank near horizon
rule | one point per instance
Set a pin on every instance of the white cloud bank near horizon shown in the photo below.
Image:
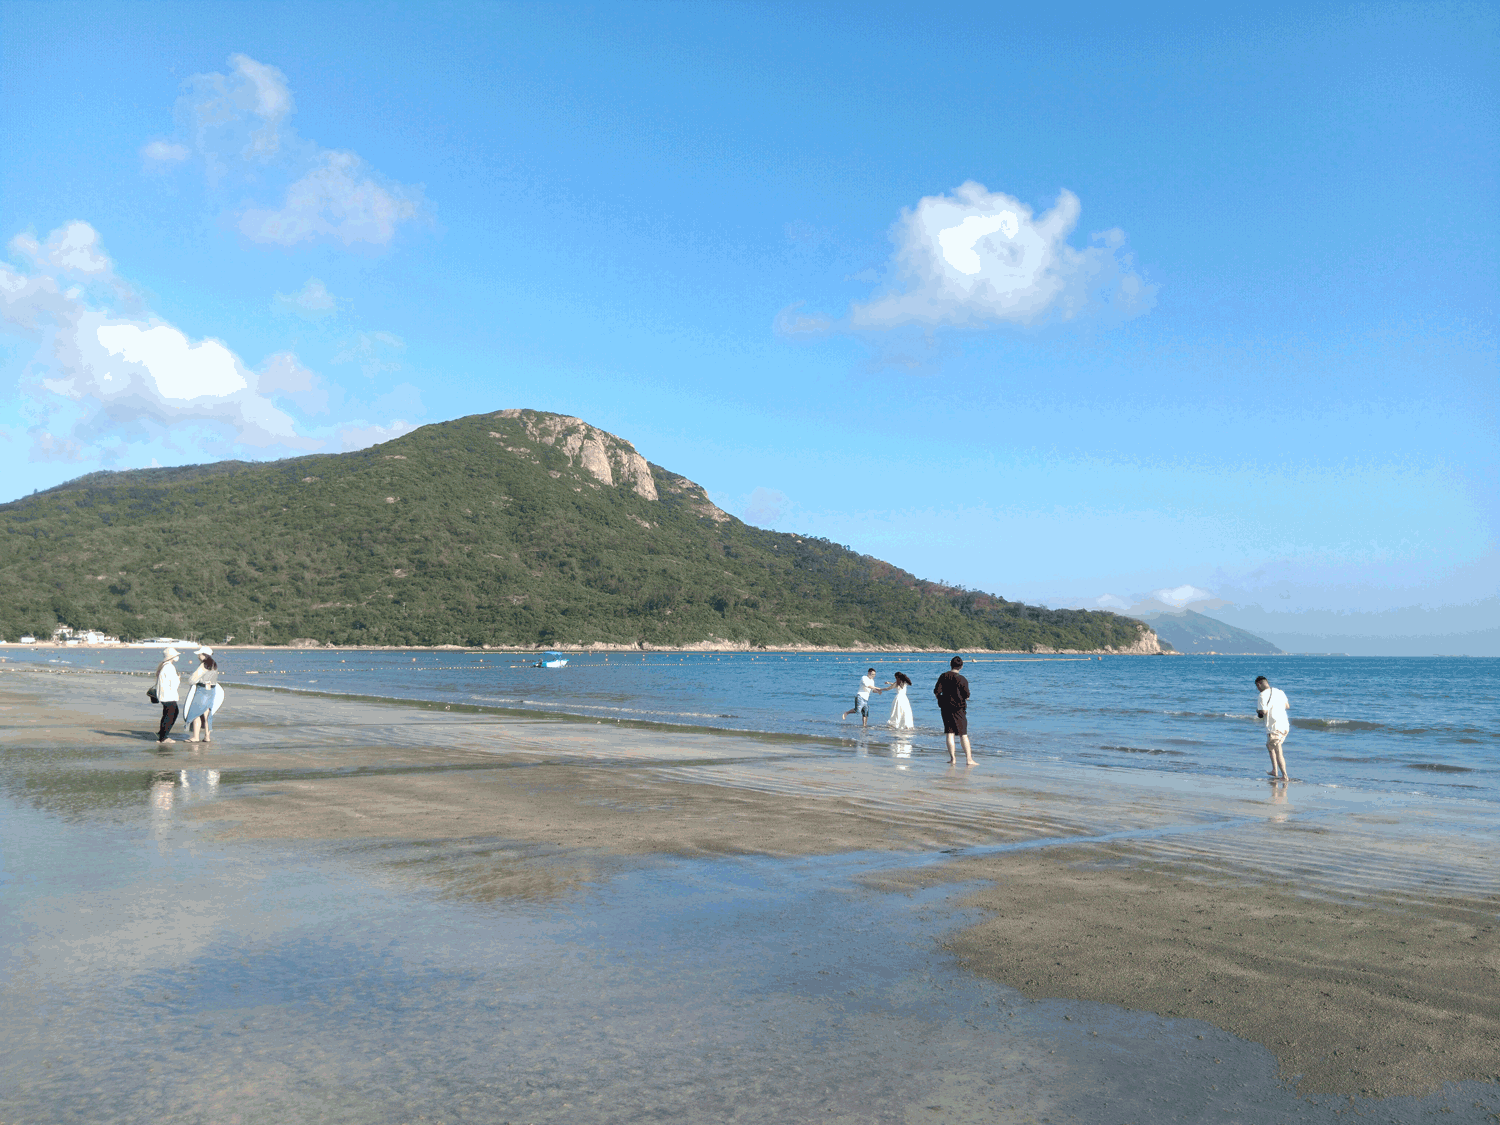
(238, 122)
(107, 372)
(1419, 629)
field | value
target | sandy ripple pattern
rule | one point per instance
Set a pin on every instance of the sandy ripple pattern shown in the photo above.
(352, 911)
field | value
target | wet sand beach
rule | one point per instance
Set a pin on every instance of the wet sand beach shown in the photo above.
(347, 910)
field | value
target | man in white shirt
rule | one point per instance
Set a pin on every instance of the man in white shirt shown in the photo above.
(1272, 707)
(862, 698)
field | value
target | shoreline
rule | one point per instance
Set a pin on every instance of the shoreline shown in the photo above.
(1201, 900)
(524, 650)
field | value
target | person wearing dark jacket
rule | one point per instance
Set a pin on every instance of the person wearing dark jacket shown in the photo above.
(952, 691)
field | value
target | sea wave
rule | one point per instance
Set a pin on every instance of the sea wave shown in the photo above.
(594, 708)
(1463, 734)
(1341, 725)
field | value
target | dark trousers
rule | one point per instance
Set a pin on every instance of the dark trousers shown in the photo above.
(168, 721)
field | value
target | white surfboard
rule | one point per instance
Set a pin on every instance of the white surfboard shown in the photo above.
(208, 703)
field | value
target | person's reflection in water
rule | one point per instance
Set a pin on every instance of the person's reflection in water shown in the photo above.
(1278, 797)
(167, 789)
(900, 749)
(198, 783)
(162, 796)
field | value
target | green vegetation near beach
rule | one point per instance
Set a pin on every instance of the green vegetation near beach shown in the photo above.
(516, 528)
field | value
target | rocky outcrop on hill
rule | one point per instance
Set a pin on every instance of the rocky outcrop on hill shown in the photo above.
(511, 528)
(608, 459)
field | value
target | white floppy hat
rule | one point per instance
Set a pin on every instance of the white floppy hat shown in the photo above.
(170, 653)
(203, 650)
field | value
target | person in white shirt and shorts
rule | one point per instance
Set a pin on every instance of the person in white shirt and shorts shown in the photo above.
(1272, 707)
(862, 699)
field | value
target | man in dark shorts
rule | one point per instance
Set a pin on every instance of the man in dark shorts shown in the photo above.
(952, 691)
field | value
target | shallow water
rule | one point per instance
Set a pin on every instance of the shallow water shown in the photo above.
(152, 973)
(180, 981)
(1400, 724)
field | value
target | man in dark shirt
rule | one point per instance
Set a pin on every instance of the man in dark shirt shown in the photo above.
(952, 691)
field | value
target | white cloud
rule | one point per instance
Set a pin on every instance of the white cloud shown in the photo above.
(273, 101)
(1157, 601)
(791, 321)
(1179, 596)
(765, 507)
(373, 351)
(284, 377)
(312, 302)
(101, 377)
(361, 437)
(239, 123)
(958, 242)
(978, 258)
(160, 153)
(340, 199)
(180, 369)
(72, 248)
(238, 113)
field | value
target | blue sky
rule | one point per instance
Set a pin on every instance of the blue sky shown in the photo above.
(1063, 307)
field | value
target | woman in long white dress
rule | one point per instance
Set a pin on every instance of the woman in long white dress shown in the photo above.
(901, 706)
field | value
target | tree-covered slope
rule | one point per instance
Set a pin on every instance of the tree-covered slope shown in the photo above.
(514, 528)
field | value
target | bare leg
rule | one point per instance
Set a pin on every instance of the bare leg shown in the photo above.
(952, 758)
(1278, 759)
(968, 752)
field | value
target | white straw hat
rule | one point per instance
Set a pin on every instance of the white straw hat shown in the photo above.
(170, 653)
(203, 651)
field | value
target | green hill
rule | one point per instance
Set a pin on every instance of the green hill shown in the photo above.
(1187, 631)
(514, 528)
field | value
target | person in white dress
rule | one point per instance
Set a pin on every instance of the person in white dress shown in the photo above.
(901, 706)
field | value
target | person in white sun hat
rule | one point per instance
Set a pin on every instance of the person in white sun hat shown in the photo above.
(200, 699)
(167, 682)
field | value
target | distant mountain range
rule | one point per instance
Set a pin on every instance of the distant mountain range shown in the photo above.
(508, 529)
(1191, 632)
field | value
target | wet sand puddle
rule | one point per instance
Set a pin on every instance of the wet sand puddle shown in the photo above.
(157, 969)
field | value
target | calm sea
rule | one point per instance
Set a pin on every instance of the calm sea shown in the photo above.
(1408, 724)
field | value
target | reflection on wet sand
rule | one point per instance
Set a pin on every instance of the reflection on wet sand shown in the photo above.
(1278, 797)
(169, 788)
(484, 918)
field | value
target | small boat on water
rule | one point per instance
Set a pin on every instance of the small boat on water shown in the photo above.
(551, 660)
